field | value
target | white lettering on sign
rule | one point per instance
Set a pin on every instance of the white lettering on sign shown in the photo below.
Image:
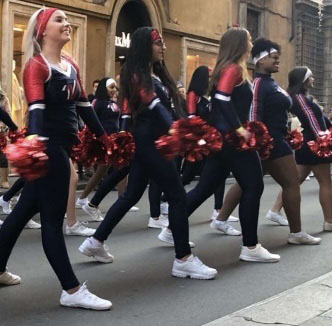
(123, 41)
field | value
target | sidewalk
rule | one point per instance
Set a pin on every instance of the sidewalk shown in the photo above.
(309, 304)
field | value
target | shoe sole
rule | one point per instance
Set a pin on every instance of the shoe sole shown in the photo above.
(304, 243)
(80, 235)
(84, 307)
(97, 258)
(193, 276)
(9, 284)
(250, 259)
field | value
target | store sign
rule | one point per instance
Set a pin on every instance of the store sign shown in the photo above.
(123, 41)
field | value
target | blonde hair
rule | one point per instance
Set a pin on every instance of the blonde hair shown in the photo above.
(233, 46)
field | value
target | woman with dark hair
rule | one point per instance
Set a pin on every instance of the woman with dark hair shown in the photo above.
(149, 117)
(270, 105)
(231, 98)
(314, 124)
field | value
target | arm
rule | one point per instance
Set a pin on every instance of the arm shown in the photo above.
(228, 79)
(257, 106)
(191, 104)
(125, 118)
(7, 120)
(308, 114)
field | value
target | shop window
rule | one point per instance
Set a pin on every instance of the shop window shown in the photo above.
(253, 18)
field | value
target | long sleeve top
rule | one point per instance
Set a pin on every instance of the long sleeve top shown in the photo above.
(108, 113)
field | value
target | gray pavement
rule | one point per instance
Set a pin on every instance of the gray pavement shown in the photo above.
(139, 282)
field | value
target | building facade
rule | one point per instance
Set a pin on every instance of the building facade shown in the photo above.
(191, 29)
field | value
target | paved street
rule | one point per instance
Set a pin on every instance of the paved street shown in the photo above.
(139, 283)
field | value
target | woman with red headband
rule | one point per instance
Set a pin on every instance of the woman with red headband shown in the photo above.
(150, 116)
(54, 93)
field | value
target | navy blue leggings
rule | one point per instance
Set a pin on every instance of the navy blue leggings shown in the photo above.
(148, 163)
(47, 195)
(247, 170)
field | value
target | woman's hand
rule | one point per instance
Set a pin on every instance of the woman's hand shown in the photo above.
(244, 133)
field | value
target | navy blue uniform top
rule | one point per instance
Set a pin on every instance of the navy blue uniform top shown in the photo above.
(108, 113)
(155, 117)
(54, 99)
(310, 115)
(270, 105)
(7, 120)
(231, 100)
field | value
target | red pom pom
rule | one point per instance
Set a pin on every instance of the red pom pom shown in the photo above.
(122, 149)
(260, 139)
(27, 157)
(3, 141)
(168, 146)
(295, 139)
(15, 135)
(322, 146)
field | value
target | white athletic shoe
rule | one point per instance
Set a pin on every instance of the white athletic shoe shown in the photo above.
(134, 209)
(93, 212)
(303, 238)
(224, 227)
(83, 298)
(277, 218)
(166, 236)
(160, 223)
(230, 219)
(164, 208)
(1, 222)
(99, 251)
(259, 254)
(32, 225)
(80, 228)
(327, 227)
(307, 178)
(214, 215)
(80, 202)
(6, 206)
(193, 268)
(7, 278)
(233, 219)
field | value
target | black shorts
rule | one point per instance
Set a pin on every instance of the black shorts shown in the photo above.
(304, 156)
(280, 148)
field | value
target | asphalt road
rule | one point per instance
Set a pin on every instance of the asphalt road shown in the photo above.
(139, 282)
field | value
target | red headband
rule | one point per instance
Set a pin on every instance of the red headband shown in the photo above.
(155, 36)
(42, 20)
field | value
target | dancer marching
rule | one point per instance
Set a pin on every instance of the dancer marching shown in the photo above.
(231, 99)
(54, 94)
(150, 119)
(270, 105)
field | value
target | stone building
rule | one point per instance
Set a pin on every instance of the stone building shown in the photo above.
(191, 29)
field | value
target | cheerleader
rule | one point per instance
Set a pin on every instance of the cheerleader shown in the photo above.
(314, 124)
(150, 119)
(54, 92)
(270, 105)
(231, 98)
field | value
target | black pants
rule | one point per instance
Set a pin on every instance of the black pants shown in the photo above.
(14, 189)
(148, 163)
(108, 184)
(247, 171)
(47, 195)
(3, 160)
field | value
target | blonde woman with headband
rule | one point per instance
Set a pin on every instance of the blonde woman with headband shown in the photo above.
(55, 95)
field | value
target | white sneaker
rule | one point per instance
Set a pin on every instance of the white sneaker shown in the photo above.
(326, 226)
(303, 238)
(166, 236)
(7, 278)
(32, 225)
(83, 298)
(233, 219)
(160, 223)
(307, 178)
(224, 227)
(6, 206)
(1, 222)
(277, 218)
(193, 268)
(214, 215)
(80, 228)
(93, 212)
(134, 209)
(99, 251)
(259, 254)
(80, 202)
(164, 208)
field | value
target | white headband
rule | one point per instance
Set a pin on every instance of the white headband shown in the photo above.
(262, 55)
(110, 81)
(307, 75)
